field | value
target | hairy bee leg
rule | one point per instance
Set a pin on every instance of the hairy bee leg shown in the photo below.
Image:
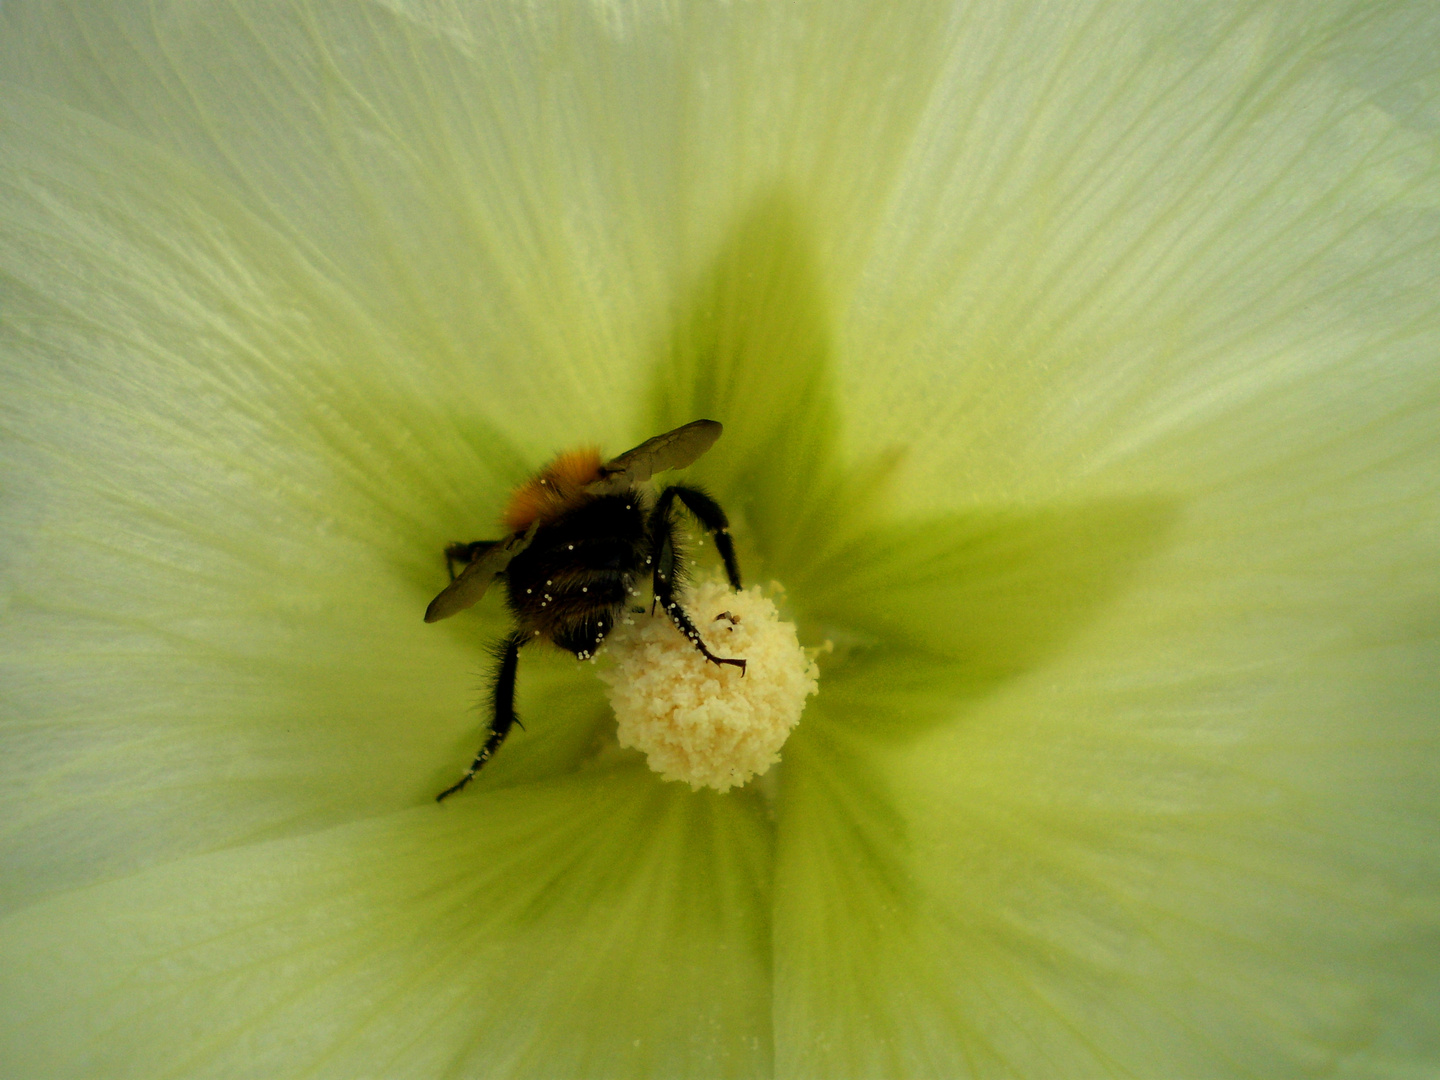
(503, 700)
(707, 511)
(668, 569)
(465, 554)
(663, 556)
(681, 619)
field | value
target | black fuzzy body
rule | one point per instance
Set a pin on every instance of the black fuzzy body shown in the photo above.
(573, 581)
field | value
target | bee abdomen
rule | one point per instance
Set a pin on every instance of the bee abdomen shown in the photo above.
(572, 591)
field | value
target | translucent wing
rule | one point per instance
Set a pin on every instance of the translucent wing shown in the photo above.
(673, 450)
(467, 589)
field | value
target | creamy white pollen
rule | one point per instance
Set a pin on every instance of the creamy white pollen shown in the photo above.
(703, 723)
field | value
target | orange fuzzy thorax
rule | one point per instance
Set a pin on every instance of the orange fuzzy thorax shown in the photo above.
(556, 488)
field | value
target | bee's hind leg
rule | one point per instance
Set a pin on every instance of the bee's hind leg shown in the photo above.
(502, 699)
(707, 511)
(669, 571)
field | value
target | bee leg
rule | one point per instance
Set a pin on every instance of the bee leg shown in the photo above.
(707, 511)
(668, 571)
(681, 619)
(666, 577)
(465, 554)
(503, 700)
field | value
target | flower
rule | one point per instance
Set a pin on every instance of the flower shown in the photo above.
(1077, 363)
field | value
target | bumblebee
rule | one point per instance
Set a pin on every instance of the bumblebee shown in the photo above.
(582, 533)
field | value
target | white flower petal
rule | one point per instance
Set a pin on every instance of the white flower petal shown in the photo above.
(561, 929)
(1145, 245)
(226, 505)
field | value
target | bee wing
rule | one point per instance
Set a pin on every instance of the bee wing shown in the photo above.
(467, 589)
(673, 450)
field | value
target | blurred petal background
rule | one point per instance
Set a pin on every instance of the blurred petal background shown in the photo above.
(1078, 363)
